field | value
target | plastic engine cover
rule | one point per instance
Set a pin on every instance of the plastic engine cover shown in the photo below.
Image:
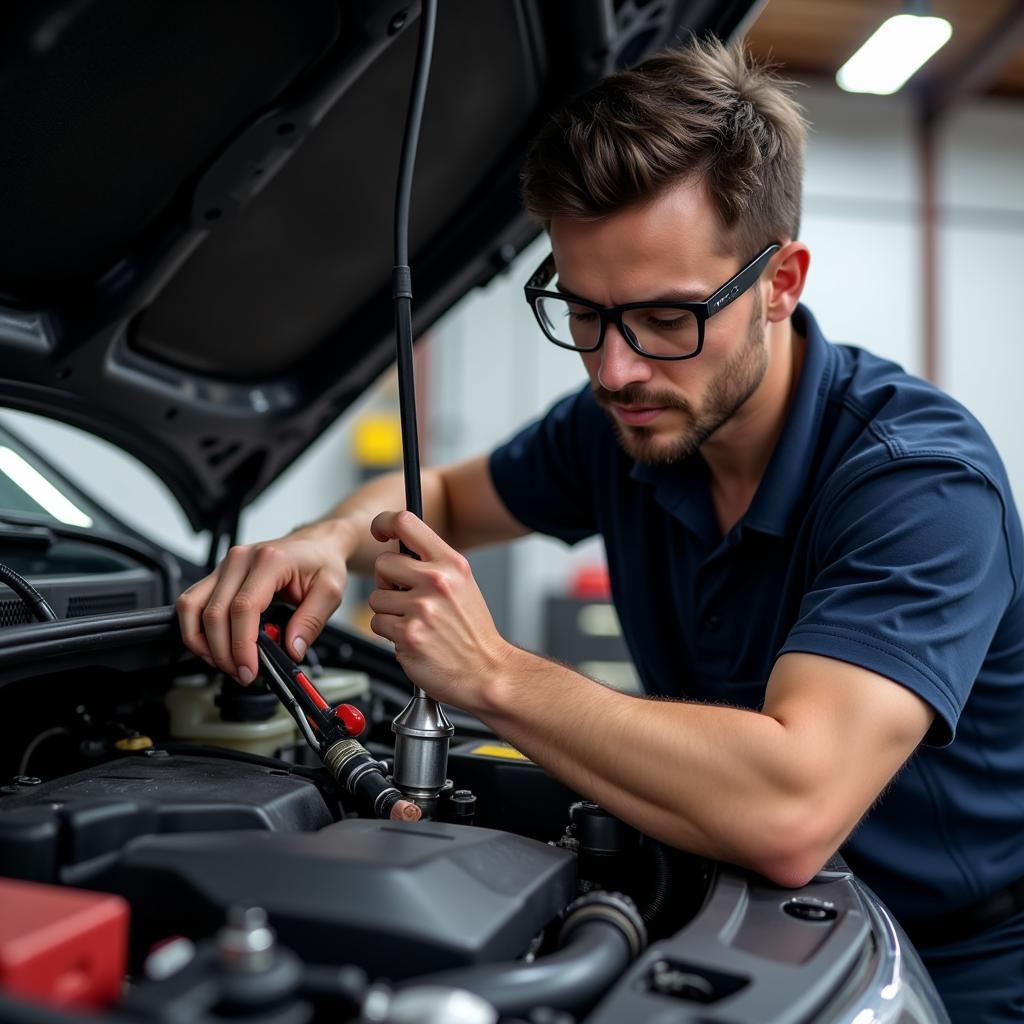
(71, 829)
(397, 899)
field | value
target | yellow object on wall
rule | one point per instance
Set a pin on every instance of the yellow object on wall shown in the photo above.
(378, 440)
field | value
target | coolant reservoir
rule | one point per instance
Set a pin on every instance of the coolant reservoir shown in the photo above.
(197, 718)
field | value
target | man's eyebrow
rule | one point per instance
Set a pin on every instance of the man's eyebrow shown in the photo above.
(673, 295)
(684, 295)
(565, 291)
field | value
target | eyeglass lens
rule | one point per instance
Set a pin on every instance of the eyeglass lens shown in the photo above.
(656, 330)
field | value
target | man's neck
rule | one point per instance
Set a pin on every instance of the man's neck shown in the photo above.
(738, 453)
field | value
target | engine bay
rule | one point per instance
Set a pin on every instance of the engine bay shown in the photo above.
(248, 885)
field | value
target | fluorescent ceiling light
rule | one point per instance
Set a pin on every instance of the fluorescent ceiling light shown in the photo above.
(40, 490)
(895, 51)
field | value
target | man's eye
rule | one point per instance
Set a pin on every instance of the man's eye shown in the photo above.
(580, 316)
(668, 319)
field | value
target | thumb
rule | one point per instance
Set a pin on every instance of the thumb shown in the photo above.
(382, 528)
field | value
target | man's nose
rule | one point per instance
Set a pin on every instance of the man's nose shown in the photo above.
(621, 365)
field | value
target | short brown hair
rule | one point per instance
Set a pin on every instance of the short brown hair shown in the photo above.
(703, 111)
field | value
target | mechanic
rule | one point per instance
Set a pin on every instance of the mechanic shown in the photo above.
(815, 557)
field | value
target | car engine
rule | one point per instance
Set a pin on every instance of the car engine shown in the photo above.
(227, 863)
(170, 851)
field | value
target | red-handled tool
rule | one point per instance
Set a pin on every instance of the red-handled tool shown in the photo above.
(331, 732)
(320, 715)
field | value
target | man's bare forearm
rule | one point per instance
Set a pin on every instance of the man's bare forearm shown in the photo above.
(460, 504)
(714, 780)
(348, 523)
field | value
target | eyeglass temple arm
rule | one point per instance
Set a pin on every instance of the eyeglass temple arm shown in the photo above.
(732, 290)
(543, 274)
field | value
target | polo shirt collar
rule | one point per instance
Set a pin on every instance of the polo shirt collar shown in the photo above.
(682, 489)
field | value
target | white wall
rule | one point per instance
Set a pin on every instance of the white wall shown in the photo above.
(861, 222)
(981, 243)
(490, 371)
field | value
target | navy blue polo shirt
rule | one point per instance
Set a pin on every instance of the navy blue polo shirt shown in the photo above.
(883, 534)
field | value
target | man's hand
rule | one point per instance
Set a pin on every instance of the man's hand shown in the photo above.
(220, 615)
(434, 614)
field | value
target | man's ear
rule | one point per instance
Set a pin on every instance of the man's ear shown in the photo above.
(785, 279)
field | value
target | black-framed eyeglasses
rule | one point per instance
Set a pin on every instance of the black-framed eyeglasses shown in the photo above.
(654, 328)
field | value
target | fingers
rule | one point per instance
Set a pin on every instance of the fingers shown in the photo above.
(393, 570)
(220, 615)
(190, 607)
(389, 602)
(311, 616)
(387, 626)
(412, 532)
(217, 615)
(266, 575)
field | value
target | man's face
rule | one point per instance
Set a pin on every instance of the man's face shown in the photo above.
(662, 410)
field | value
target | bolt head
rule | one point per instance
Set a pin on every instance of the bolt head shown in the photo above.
(246, 942)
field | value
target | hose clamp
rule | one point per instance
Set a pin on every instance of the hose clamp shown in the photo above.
(339, 754)
(613, 908)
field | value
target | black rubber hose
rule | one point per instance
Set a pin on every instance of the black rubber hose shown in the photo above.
(32, 599)
(594, 956)
(661, 884)
(572, 979)
(356, 770)
(401, 274)
(414, 117)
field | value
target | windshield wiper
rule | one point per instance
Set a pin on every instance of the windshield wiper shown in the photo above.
(40, 538)
(24, 525)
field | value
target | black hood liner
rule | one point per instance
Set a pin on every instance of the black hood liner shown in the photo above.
(198, 197)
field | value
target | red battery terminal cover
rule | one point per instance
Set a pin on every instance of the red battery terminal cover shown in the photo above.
(64, 947)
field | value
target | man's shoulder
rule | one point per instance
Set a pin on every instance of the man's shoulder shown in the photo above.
(904, 417)
(908, 466)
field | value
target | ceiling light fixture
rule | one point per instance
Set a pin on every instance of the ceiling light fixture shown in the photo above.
(893, 53)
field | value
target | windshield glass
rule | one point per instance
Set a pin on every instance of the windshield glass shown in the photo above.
(29, 486)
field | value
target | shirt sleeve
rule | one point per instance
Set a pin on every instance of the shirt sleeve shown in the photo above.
(544, 474)
(912, 576)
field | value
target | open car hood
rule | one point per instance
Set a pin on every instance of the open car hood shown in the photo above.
(198, 197)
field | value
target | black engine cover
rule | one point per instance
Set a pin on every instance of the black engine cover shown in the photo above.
(72, 828)
(398, 899)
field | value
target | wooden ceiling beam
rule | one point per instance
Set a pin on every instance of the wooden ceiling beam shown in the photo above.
(981, 67)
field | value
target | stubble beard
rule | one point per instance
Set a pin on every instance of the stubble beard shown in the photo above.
(727, 393)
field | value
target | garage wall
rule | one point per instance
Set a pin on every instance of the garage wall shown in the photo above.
(981, 251)
(861, 212)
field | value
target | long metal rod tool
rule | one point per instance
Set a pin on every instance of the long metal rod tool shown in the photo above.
(422, 731)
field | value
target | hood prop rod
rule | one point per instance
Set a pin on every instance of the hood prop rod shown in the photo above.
(422, 730)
